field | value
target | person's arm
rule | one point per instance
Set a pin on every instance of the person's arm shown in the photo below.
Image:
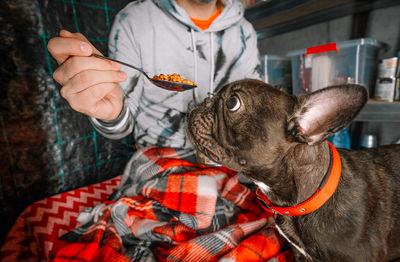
(122, 46)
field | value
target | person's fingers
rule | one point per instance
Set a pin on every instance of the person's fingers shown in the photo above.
(66, 33)
(77, 64)
(108, 108)
(103, 101)
(90, 84)
(79, 36)
(86, 79)
(61, 48)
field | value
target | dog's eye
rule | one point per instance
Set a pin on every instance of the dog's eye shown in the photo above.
(233, 103)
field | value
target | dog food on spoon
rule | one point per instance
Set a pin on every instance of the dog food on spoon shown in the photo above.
(173, 78)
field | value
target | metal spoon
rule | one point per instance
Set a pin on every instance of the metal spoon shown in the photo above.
(169, 85)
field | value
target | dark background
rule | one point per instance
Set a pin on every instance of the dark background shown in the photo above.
(45, 146)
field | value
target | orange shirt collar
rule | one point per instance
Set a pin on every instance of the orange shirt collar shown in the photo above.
(204, 24)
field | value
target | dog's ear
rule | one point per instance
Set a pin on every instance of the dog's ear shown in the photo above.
(319, 115)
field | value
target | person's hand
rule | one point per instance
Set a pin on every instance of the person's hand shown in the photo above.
(89, 84)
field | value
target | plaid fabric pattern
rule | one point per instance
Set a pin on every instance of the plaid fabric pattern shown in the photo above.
(168, 209)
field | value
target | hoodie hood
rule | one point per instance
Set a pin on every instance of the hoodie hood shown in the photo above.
(231, 14)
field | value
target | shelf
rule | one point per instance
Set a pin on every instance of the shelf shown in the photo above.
(274, 17)
(380, 111)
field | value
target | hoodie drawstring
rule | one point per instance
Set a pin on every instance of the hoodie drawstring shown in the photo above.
(211, 87)
(194, 61)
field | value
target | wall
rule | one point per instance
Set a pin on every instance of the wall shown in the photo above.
(332, 31)
(383, 24)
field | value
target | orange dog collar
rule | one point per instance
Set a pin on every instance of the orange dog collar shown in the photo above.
(324, 192)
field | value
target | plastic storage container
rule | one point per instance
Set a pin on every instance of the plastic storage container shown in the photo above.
(341, 139)
(353, 61)
(277, 71)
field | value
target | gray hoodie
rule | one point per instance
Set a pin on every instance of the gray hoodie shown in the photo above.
(159, 37)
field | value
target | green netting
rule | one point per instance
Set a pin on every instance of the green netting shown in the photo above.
(46, 147)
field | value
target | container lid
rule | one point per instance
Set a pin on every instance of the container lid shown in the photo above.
(344, 44)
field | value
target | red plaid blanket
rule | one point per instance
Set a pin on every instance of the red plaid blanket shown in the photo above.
(168, 209)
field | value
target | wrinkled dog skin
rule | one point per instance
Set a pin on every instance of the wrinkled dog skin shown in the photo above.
(279, 141)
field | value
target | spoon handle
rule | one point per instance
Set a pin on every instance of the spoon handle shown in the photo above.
(122, 63)
(168, 85)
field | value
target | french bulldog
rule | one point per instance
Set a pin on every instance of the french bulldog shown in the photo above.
(348, 201)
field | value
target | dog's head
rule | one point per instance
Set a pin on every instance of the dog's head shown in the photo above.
(249, 123)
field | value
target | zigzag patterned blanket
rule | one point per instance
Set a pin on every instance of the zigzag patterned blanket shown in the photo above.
(168, 209)
(39, 226)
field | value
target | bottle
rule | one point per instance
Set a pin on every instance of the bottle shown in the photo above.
(341, 139)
